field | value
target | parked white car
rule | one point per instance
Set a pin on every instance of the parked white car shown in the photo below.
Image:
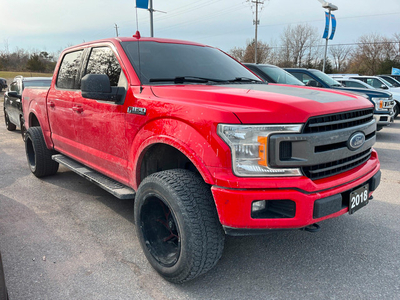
(380, 83)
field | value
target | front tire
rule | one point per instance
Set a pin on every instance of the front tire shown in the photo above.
(10, 126)
(396, 110)
(177, 224)
(39, 157)
(23, 128)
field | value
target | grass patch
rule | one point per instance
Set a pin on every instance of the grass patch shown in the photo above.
(10, 74)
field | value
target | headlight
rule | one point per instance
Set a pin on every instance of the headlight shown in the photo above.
(249, 148)
(382, 104)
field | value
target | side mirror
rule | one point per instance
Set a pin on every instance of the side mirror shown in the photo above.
(384, 87)
(97, 86)
(14, 95)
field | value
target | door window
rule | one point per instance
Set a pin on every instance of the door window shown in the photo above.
(103, 61)
(68, 75)
(14, 87)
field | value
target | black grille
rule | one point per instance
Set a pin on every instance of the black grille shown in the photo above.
(336, 167)
(285, 151)
(338, 121)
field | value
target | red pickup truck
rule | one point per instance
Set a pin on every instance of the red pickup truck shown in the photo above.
(202, 144)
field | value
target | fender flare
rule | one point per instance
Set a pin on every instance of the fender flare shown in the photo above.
(35, 109)
(180, 135)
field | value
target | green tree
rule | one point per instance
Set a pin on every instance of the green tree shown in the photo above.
(35, 64)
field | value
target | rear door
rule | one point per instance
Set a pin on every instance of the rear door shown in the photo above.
(60, 103)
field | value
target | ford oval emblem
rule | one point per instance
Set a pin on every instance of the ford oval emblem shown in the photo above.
(356, 140)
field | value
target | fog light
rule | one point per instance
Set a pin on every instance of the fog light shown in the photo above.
(258, 205)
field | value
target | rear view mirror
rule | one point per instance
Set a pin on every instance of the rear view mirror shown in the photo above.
(97, 86)
(14, 95)
(384, 87)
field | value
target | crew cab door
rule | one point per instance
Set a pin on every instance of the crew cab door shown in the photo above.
(60, 103)
(99, 124)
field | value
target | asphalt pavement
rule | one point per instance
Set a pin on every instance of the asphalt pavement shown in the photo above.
(63, 237)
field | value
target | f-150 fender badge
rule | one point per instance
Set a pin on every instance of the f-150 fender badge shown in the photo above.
(136, 110)
(356, 140)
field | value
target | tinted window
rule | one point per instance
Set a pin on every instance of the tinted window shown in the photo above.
(325, 78)
(280, 76)
(353, 84)
(304, 78)
(374, 82)
(68, 77)
(393, 81)
(103, 61)
(168, 61)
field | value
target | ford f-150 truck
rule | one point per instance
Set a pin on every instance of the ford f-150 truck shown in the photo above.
(202, 144)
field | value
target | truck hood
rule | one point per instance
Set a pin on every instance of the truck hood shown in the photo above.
(265, 103)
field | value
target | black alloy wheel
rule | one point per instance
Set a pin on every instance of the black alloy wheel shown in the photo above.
(39, 157)
(177, 224)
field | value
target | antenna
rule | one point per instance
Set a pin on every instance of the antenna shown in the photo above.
(116, 28)
(137, 35)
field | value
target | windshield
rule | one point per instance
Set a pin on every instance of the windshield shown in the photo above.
(279, 75)
(386, 82)
(327, 79)
(164, 62)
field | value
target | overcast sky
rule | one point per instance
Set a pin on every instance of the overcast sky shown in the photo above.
(53, 25)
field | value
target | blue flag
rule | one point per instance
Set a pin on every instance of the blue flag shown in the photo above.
(326, 32)
(333, 27)
(395, 71)
(142, 4)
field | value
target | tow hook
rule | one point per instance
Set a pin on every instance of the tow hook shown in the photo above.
(311, 228)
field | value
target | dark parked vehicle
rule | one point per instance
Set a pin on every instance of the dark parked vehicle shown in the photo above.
(3, 84)
(397, 77)
(12, 100)
(273, 74)
(3, 290)
(391, 80)
(383, 101)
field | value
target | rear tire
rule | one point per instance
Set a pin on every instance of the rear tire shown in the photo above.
(10, 126)
(177, 224)
(39, 157)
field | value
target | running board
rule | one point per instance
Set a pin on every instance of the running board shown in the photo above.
(110, 185)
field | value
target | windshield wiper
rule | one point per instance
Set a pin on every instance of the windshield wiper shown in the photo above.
(183, 79)
(245, 79)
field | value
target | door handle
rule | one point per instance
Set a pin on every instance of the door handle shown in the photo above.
(78, 109)
(52, 104)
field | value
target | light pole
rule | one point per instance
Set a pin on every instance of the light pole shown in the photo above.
(330, 7)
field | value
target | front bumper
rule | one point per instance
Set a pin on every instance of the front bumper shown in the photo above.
(384, 119)
(234, 206)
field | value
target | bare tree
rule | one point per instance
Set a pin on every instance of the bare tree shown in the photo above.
(300, 45)
(246, 55)
(340, 55)
(371, 53)
(237, 53)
